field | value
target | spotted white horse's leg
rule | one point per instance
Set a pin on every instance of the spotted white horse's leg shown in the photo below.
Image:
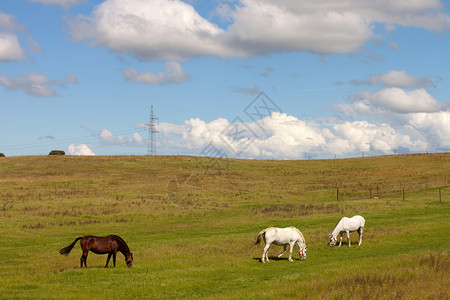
(265, 257)
(348, 238)
(267, 253)
(291, 246)
(340, 242)
(279, 255)
(360, 235)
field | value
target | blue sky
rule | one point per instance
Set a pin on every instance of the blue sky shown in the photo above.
(327, 78)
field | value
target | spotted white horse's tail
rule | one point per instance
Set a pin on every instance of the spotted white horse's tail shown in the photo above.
(258, 239)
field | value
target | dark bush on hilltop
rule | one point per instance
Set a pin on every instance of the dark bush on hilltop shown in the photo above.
(57, 152)
(2, 155)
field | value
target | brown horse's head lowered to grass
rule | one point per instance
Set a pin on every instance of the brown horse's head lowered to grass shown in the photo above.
(110, 244)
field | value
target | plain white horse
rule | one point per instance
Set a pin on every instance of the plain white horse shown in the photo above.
(355, 223)
(282, 237)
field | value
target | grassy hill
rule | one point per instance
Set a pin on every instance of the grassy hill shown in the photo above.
(190, 223)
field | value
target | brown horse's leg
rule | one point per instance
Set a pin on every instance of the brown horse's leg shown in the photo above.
(83, 258)
(85, 249)
(114, 259)
(107, 260)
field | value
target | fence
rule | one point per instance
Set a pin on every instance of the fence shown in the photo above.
(393, 190)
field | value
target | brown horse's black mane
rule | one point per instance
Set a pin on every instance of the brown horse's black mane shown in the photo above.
(123, 243)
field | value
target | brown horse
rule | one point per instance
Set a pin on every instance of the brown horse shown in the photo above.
(101, 245)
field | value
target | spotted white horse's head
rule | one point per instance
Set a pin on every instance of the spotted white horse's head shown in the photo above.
(302, 253)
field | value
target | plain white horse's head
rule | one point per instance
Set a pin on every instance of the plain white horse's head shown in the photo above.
(333, 240)
(302, 253)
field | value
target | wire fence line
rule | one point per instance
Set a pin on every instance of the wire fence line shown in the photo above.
(437, 185)
(324, 188)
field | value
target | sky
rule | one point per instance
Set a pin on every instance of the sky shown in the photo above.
(253, 79)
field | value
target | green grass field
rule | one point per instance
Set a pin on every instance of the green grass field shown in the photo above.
(190, 223)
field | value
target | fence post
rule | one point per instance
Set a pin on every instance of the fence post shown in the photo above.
(370, 193)
(337, 195)
(440, 199)
(403, 193)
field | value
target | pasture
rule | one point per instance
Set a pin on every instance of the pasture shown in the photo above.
(190, 223)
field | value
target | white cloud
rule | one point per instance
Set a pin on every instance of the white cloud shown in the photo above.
(289, 28)
(34, 84)
(173, 30)
(7, 22)
(70, 78)
(393, 45)
(33, 46)
(81, 149)
(158, 29)
(63, 3)
(286, 136)
(10, 49)
(426, 14)
(395, 78)
(414, 113)
(435, 127)
(246, 91)
(175, 74)
(401, 101)
(137, 138)
(351, 137)
(364, 109)
(107, 137)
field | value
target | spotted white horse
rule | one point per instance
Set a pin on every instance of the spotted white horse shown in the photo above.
(355, 223)
(282, 237)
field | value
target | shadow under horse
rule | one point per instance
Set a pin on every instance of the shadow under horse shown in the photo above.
(110, 244)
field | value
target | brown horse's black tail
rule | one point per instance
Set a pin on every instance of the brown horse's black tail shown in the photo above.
(66, 250)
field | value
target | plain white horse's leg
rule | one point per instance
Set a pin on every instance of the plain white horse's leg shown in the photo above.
(291, 247)
(279, 255)
(348, 238)
(360, 235)
(264, 255)
(340, 242)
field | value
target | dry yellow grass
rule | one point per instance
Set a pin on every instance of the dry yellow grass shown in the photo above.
(190, 227)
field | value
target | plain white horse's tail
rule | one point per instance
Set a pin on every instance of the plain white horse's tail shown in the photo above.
(258, 239)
